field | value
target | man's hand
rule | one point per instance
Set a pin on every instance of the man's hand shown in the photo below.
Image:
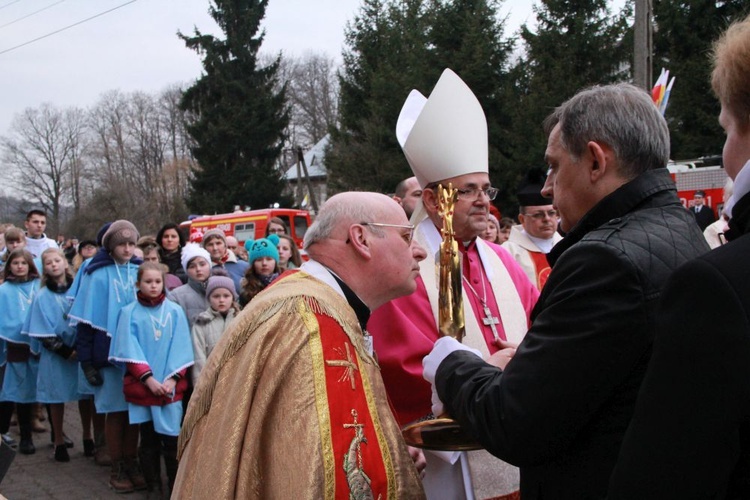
(430, 363)
(502, 357)
(420, 462)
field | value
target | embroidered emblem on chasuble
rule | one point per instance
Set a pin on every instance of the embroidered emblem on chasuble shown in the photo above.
(542, 268)
(356, 454)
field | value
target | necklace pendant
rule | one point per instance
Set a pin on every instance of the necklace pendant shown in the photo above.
(157, 333)
(490, 321)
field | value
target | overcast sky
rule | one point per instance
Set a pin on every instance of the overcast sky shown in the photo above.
(135, 47)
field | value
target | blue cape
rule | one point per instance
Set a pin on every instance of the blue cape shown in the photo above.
(157, 336)
(15, 304)
(73, 290)
(49, 318)
(102, 294)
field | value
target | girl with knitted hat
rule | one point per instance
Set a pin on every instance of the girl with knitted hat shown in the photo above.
(153, 343)
(107, 286)
(264, 268)
(20, 372)
(191, 296)
(210, 324)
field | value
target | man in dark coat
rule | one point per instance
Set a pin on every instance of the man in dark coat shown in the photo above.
(690, 434)
(704, 215)
(560, 407)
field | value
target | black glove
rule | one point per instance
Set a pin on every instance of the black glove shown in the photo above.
(56, 345)
(92, 374)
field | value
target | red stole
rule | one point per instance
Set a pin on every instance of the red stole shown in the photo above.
(542, 268)
(357, 444)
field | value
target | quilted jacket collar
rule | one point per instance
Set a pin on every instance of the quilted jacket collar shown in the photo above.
(654, 188)
(739, 224)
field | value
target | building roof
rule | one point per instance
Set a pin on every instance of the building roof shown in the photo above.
(314, 159)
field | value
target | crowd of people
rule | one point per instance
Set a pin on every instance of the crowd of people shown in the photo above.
(582, 363)
(87, 325)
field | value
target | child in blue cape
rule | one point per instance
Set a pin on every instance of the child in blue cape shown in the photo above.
(19, 382)
(53, 340)
(107, 286)
(153, 341)
(87, 250)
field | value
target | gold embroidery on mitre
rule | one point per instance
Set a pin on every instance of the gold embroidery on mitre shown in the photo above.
(347, 364)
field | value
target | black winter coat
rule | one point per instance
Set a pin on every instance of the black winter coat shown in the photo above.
(690, 435)
(561, 407)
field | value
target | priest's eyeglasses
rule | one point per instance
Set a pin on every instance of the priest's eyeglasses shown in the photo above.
(473, 193)
(552, 214)
(406, 236)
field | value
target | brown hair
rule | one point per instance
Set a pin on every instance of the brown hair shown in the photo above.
(20, 252)
(68, 272)
(295, 259)
(730, 79)
(14, 234)
(505, 223)
(151, 266)
(277, 221)
(252, 285)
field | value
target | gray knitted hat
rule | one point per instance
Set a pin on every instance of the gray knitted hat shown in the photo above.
(215, 282)
(121, 231)
(213, 233)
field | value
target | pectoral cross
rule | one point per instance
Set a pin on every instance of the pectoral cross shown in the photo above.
(491, 321)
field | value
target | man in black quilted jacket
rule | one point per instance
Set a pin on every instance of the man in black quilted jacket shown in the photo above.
(690, 434)
(560, 407)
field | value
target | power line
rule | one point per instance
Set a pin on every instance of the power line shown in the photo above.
(66, 27)
(29, 15)
(9, 3)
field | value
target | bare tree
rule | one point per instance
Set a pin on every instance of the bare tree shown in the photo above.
(313, 90)
(143, 152)
(43, 156)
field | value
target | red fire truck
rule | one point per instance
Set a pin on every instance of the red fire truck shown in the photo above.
(704, 174)
(245, 225)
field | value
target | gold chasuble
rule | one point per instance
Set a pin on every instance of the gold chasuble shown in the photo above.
(292, 405)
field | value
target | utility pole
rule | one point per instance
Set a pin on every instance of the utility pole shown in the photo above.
(301, 160)
(644, 45)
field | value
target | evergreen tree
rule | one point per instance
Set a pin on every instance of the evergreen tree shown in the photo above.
(468, 37)
(386, 57)
(239, 116)
(577, 43)
(394, 47)
(682, 43)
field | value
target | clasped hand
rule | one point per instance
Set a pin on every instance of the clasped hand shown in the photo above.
(161, 389)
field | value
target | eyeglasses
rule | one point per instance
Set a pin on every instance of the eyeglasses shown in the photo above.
(276, 230)
(473, 193)
(406, 236)
(543, 215)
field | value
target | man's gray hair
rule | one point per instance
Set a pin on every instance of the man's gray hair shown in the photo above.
(621, 116)
(333, 215)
